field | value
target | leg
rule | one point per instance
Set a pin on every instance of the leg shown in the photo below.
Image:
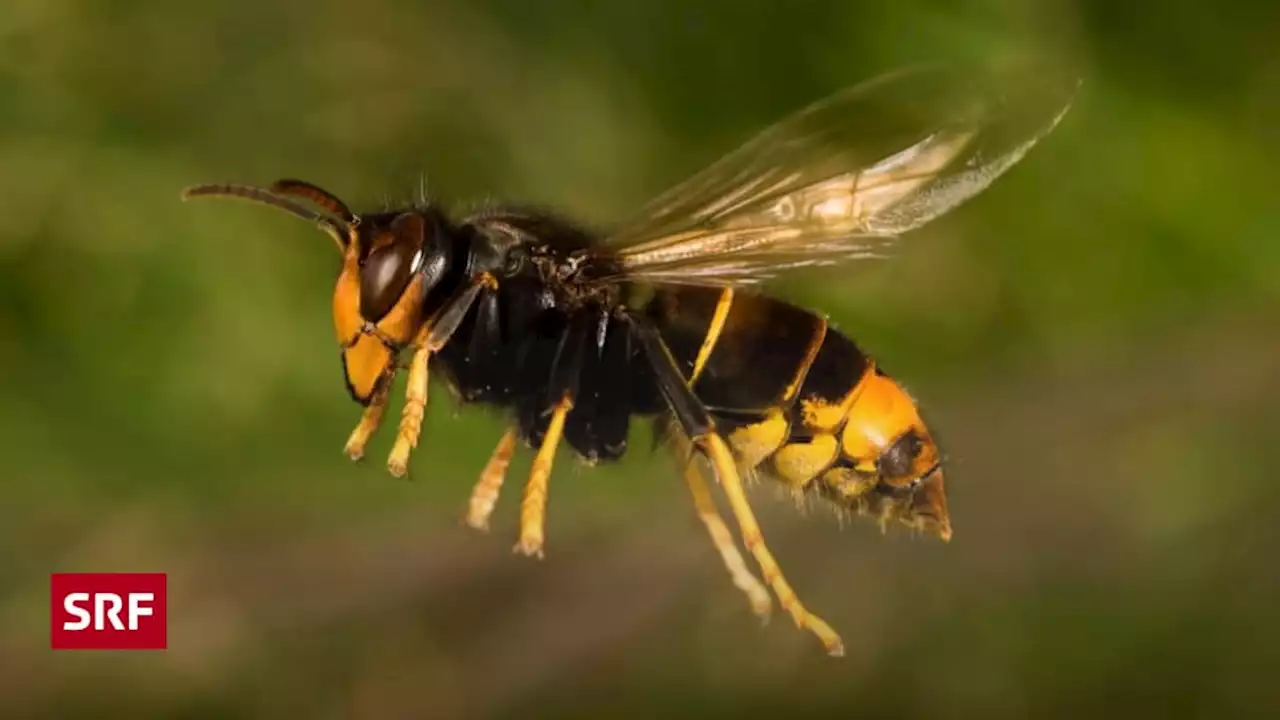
(415, 406)
(562, 385)
(727, 471)
(369, 422)
(485, 493)
(700, 428)
(757, 595)
(534, 506)
(433, 335)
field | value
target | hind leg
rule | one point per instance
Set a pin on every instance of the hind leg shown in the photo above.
(700, 428)
(705, 506)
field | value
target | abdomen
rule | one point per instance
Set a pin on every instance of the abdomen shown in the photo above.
(779, 381)
(791, 395)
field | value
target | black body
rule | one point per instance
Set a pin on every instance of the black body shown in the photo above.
(537, 337)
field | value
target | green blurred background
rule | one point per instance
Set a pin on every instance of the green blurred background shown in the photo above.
(1095, 340)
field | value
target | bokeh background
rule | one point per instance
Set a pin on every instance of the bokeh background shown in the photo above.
(1095, 339)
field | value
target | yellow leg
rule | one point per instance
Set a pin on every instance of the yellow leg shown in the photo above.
(430, 338)
(757, 595)
(485, 493)
(534, 506)
(718, 453)
(369, 423)
(415, 406)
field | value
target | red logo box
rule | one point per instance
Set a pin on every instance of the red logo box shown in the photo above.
(109, 611)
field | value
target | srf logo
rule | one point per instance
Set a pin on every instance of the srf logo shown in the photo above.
(108, 611)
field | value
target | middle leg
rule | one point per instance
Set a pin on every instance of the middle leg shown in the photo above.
(534, 506)
(563, 383)
(485, 493)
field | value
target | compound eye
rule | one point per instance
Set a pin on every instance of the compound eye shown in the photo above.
(898, 460)
(387, 270)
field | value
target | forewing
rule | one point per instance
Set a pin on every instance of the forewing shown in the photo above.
(841, 179)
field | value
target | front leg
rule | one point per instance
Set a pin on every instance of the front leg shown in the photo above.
(415, 407)
(430, 338)
(369, 421)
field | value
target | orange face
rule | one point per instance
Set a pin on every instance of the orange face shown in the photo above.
(894, 455)
(377, 302)
(390, 261)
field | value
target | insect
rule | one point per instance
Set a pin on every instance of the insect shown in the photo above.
(575, 333)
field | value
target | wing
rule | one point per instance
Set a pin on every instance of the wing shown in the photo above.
(840, 180)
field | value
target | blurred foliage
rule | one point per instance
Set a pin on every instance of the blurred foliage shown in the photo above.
(1095, 339)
